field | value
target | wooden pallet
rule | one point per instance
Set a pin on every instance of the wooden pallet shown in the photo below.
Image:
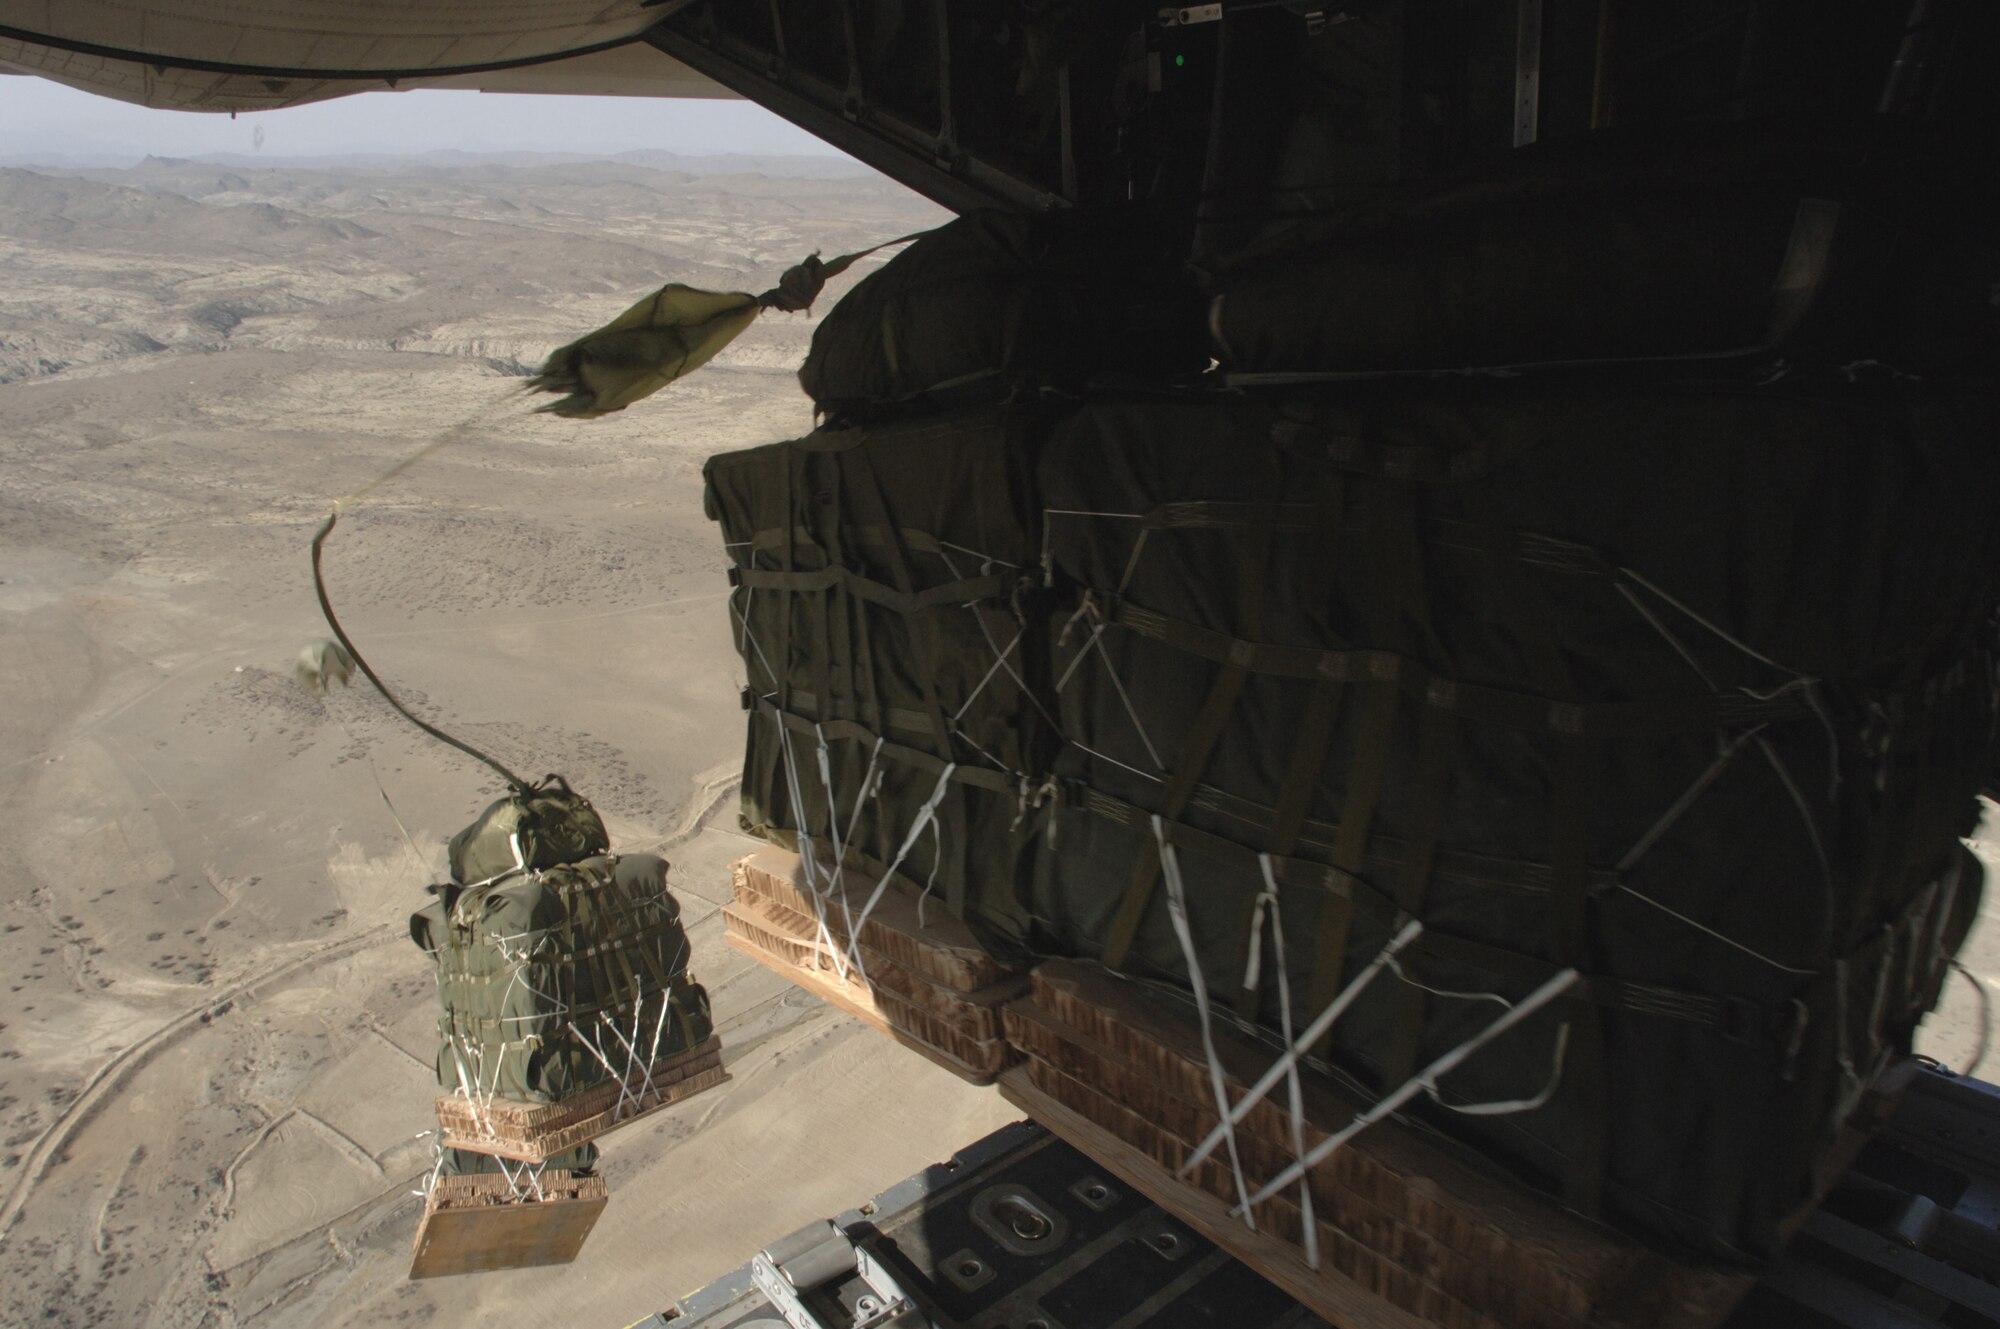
(537, 1132)
(974, 1014)
(930, 943)
(1419, 1203)
(478, 1224)
(1408, 1231)
(1339, 1300)
(1381, 1252)
(760, 932)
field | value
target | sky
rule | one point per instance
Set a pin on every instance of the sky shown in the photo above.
(39, 117)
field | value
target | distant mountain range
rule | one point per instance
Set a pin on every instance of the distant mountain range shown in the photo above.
(828, 166)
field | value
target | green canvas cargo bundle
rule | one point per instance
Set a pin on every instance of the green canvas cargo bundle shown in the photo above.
(1647, 710)
(552, 980)
(1753, 179)
(536, 827)
(1655, 704)
(880, 576)
(1755, 252)
(1546, 280)
(995, 301)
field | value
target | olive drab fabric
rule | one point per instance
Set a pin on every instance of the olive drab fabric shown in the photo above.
(672, 332)
(995, 304)
(1664, 683)
(1738, 250)
(882, 575)
(1649, 686)
(547, 823)
(552, 980)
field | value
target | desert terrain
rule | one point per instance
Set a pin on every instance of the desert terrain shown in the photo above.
(216, 1039)
(215, 1043)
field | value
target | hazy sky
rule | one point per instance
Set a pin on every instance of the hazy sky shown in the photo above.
(37, 116)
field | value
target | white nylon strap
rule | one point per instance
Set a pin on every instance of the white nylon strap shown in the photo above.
(645, 1071)
(1296, 1094)
(1509, 1107)
(924, 817)
(836, 884)
(870, 786)
(1423, 1080)
(808, 860)
(659, 1027)
(1315, 1031)
(624, 1089)
(1170, 866)
(468, 1087)
(1253, 964)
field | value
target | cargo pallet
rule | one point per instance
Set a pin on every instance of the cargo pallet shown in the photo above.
(926, 984)
(1409, 1233)
(490, 1221)
(536, 1132)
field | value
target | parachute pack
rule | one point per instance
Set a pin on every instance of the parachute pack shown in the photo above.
(538, 826)
(998, 303)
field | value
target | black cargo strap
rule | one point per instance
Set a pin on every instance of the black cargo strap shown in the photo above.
(1386, 461)
(899, 566)
(602, 976)
(609, 995)
(801, 470)
(1385, 854)
(870, 537)
(897, 719)
(847, 637)
(587, 893)
(1309, 753)
(788, 556)
(1586, 1097)
(975, 421)
(950, 594)
(1738, 1019)
(1207, 729)
(1436, 735)
(1543, 552)
(561, 956)
(627, 911)
(1397, 594)
(848, 731)
(924, 635)
(1515, 710)
(1441, 958)
(470, 1024)
(1376, 705)
(1221, 514)
(1209, 722)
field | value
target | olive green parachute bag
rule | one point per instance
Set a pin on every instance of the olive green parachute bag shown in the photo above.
(534, 826)
(670, 334)
(554, 980)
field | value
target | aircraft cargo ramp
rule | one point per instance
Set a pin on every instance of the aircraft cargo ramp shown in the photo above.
(1906, 1239)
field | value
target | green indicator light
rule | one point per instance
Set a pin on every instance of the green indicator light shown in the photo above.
(1179, 60)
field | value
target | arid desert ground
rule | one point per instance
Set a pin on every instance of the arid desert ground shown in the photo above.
(216, 1034)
